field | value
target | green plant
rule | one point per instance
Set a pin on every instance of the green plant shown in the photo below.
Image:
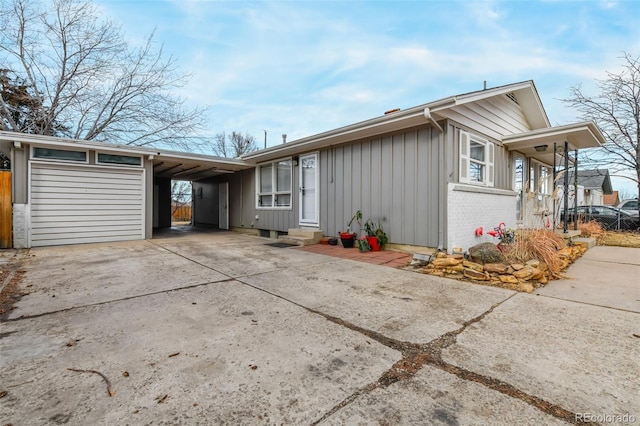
(370, 228)
(383, 239)
(357, 217)
(363, 244)
(374, 230)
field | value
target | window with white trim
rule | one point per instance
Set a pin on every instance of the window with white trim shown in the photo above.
(476, 160)
(59, 154)
(274, 185)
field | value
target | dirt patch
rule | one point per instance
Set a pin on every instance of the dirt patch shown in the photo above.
(11, 292)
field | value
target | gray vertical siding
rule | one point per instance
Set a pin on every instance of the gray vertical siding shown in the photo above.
(242, 204)
(392, 179)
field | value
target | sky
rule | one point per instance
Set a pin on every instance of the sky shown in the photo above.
(304, 67)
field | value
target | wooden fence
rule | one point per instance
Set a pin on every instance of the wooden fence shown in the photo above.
(180, 213)
(5, 209)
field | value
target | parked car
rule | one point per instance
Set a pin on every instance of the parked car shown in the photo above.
(610, 218)
(629, 206)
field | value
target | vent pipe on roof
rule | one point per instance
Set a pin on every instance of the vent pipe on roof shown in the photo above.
(485, 85)
(284, 138)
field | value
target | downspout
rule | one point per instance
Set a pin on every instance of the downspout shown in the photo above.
(442, 187)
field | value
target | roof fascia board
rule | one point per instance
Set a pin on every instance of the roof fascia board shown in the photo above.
(42, 140)
(488, 93)
(71, 143)
(560, 132)
(208, 159)
(363, 129)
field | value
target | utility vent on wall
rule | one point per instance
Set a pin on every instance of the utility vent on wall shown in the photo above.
(511, 96)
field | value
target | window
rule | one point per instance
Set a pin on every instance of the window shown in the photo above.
(60, 154)
(518, 184)
(274, 184)
(126, 160)
(476, 160)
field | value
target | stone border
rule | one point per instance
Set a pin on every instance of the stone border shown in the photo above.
(513, 276)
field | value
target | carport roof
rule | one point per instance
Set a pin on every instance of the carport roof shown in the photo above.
(166, 163)
(188, 166)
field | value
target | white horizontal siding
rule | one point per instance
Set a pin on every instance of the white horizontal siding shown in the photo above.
(73, 204)
(495, 117)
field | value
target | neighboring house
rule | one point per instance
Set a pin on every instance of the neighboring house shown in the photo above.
(431, 174)
(592, 186)
(612, 199)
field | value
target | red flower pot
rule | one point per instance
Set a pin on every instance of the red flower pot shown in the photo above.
(373, 242)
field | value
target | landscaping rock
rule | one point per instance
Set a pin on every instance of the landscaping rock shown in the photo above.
(517, 266)
(454, 269)
(509, 279)
(523, 274)
(486, 253)
(476, 275)
(443, 262)
(472, 265)
(499, 268)
(536, 274)
(534, 263)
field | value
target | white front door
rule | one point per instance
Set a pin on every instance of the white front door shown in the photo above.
(223, 205)
(309, 191)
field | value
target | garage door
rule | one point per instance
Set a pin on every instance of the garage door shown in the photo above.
(85, 204)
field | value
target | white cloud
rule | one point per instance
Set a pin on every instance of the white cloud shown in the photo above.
(305, 67)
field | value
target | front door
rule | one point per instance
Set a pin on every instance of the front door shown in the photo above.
(223, 205)
(309, 215)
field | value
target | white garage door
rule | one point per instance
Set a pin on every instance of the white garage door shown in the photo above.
(85, 204)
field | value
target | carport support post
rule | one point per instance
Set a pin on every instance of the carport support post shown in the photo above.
(575, 186)
(566, 188)
(555, 184)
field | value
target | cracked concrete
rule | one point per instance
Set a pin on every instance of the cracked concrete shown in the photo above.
(220, 329)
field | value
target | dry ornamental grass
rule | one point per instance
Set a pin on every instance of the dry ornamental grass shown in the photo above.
(541, 244)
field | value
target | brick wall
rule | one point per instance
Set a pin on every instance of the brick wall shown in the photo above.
(470, 207)
(20, 225)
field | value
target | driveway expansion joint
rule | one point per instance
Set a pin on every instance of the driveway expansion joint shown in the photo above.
(106, 302)
(415, 356)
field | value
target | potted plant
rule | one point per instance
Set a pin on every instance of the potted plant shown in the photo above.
(375, 235)
(348, 237)
(371, 237)
(383, 239)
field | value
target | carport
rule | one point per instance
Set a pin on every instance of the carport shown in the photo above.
(210, 196)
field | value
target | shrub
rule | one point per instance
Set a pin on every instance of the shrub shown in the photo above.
(591, 229)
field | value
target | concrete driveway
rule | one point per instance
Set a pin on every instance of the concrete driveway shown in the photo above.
(221, 329)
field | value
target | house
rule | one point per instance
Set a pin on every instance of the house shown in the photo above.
(612, 199)
(592, 185)
(432, 175)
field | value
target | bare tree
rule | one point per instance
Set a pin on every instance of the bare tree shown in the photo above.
(86, 82)
(233, 145)
(616, 110)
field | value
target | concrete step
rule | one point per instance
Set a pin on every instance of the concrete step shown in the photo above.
(587, 242)
(297, 240)
(313, 234)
